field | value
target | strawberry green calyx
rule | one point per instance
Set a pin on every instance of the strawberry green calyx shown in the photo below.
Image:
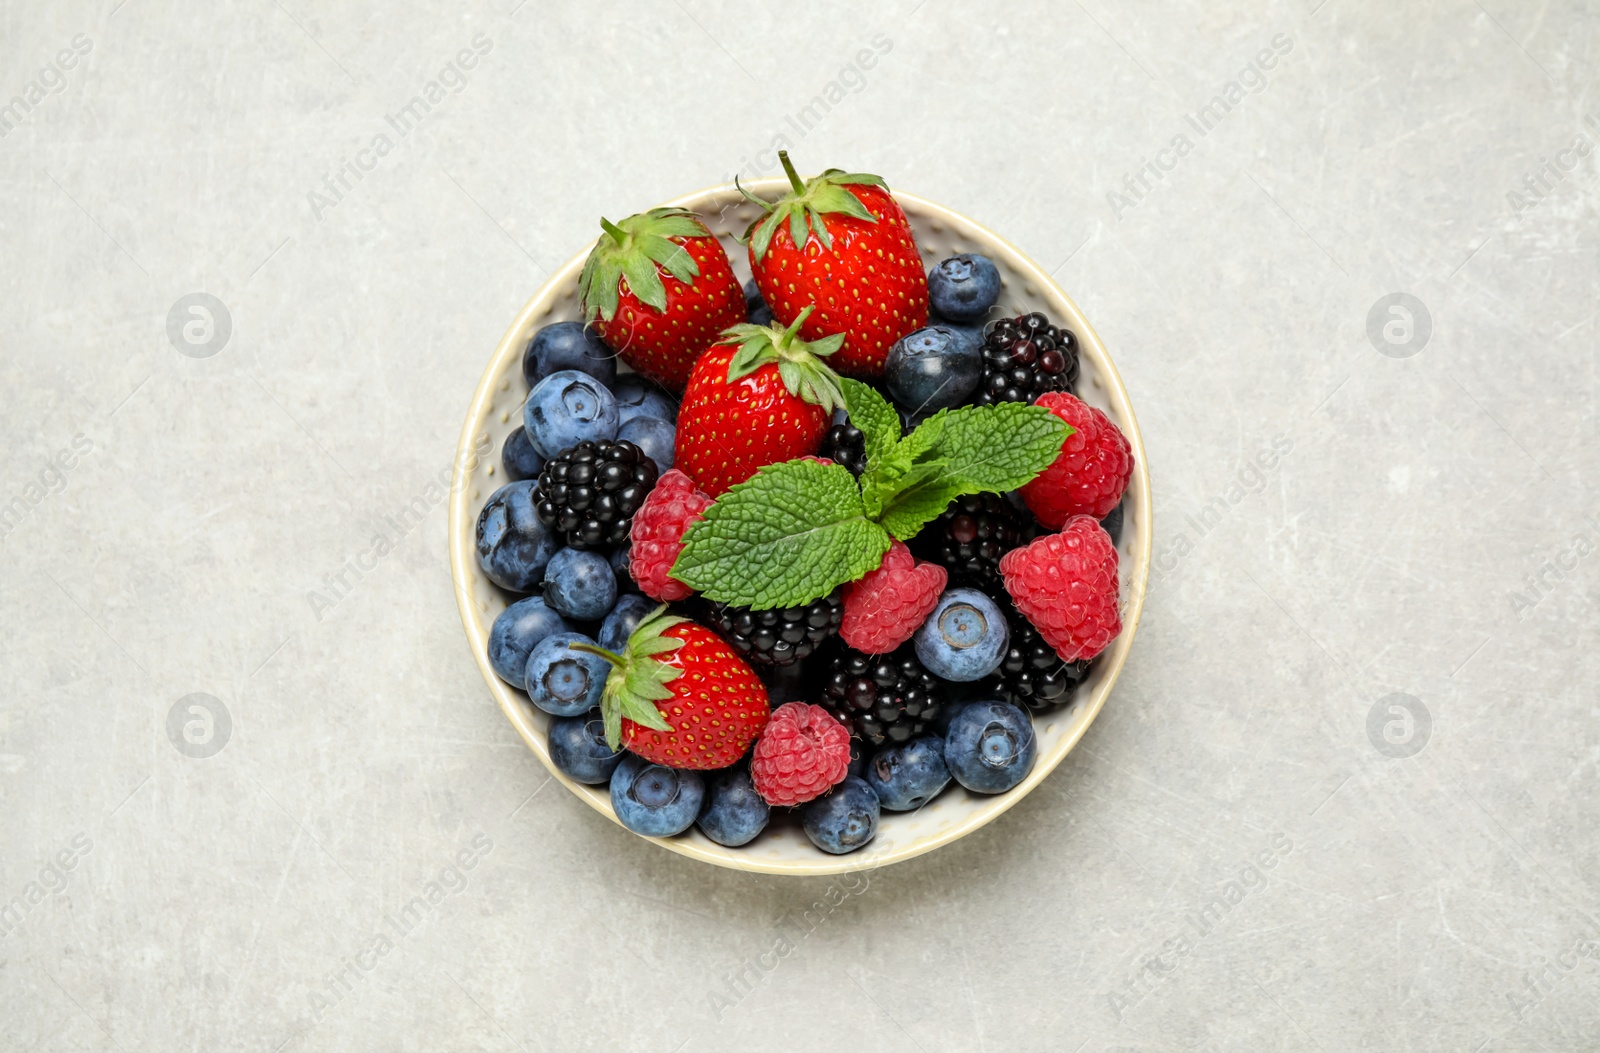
(631, 251)
(799, 361)
(807, 203)
(638, 679)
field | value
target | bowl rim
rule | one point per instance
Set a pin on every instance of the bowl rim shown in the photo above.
(463, 562)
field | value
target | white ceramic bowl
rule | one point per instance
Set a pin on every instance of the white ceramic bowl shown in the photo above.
(783, 848)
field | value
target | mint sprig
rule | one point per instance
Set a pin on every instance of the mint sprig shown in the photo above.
(796, 530)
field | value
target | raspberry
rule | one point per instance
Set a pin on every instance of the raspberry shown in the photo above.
(1066, 585)
(884, 608)
(801, 755)
(657, 535)
(1092, 471)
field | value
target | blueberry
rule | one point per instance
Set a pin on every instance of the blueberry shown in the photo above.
(564, 682)
(515, 632)
(518, 457)
(963, 287)
(965, 637)
(990, 746)
(580, 584)
(755, 306)
(733, 813)
(623, 619)
(654, 437)
(567, 408)
(909, 775)
(933, 368)
(655, 801)
(568, 345)
(620, 567)
(844, 818)
(637, 397)
(578, 748)
(513, 545)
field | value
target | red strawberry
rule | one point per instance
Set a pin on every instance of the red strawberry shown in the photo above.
(658, 288)
(761, 397)
(678, 696)
(841, 242)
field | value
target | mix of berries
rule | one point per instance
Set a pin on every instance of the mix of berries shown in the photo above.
(840, 702)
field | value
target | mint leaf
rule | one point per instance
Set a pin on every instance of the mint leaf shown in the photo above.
(927, 493)
(786, 536)
(924, 437)
(877, 420)
(998, 448)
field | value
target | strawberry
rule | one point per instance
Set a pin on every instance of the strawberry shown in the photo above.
(680, 697)
(658, 288)
(846, 248)
(761, 396)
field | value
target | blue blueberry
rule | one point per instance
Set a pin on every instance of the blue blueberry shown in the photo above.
(755, 306)
(620, 567)
(990, 746)
(518, 457)
(654, 437)
(513, 546)
(655, 801)
(733, 813)
(844, 818)
(515, 632)
(637, 397)
(623, 619)
(568, 345)
(580, 584)
(564, 682)
(578, 748)
(931, 369)
(567, 408)
(963, 287)
(909, 775)
(965, 637)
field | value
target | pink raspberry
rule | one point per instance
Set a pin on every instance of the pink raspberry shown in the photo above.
(801, 755)
(1091, 473)
(657, 535)
(1066, 585)
(884, 608)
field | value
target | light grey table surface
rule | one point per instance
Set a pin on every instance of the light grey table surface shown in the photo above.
(1372, 666)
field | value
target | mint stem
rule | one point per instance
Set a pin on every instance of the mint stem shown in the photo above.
(788, 170)
(616, 232)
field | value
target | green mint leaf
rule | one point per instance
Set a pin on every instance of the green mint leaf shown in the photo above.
(877, 420)
(998, 448)
(924, 437)
(790, 534)
(926, 491)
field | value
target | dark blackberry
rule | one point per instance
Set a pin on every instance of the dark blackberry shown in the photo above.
(590, 491)
(777, 637)
(1023, 358)
(1031, 674)
(969, 537)
(844, 444)
(882, 699)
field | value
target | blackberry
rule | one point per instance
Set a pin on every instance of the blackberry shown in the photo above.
(590, 491)
(777, 637)
(969, 537)
(1023, 358)
(844, 444)
(1033, 675)
(882, 699)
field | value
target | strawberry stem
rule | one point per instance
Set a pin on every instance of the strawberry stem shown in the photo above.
(616, 232)
(599, 652)
(788, 170)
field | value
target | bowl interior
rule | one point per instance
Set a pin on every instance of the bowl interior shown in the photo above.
(783, 849)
